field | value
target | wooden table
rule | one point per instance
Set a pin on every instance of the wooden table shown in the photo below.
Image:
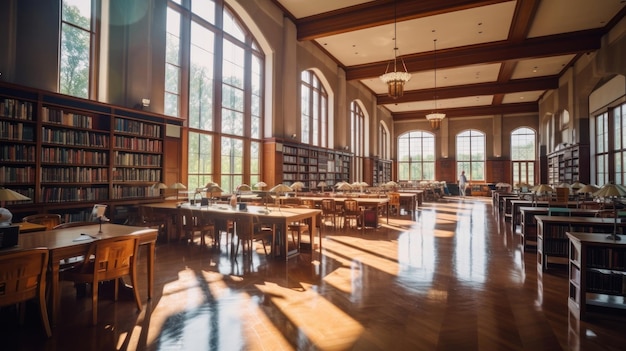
(277, 216)
(380, 203)
(551, 234)
(61, 245)
(28, 227)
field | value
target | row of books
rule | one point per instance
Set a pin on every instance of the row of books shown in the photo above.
(74, 175)
(12, 174)
(139, 128)
(75, 137)
(604, 257)
(133, 159)
(137, 174)
(17, 153)
(74, 156)
(606, 283)
(123, 192)
(65, 194)
(16, 131)
(17, 109)
(66, 118)
(138, 144)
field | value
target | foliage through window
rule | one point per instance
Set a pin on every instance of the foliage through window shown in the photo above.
(314, 110)
(470, 154)
(416, 156)
(77, 38)
(225, 92)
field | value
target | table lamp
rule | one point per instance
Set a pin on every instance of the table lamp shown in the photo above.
(321, 184)
(158, 187)
(212, 188)
(178, 186)
(8, 195)
(296, 186)
(612, 191)
(278, 189)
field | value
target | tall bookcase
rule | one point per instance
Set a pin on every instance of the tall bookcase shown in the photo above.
(310, 165)
(597, 272)
(569, 164)
(67, 154)
(381, 171)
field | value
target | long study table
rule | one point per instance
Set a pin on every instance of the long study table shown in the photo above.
(279, 217)
(67, 243)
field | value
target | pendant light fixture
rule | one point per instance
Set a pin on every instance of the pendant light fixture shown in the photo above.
(435, 117)
(395, 80)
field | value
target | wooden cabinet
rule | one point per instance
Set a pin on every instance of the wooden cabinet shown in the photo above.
(597, 272)
(569, 164)
(67, 154)
(310, 165)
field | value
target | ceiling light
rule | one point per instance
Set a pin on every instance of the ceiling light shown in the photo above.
(395, 80)
(435, 117)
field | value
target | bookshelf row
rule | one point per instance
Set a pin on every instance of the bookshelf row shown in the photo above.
(73, 152)
(312, 165)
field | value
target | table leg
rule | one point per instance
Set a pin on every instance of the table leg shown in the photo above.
(151, 257)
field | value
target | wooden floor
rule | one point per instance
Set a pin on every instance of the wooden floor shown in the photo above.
(455, 279)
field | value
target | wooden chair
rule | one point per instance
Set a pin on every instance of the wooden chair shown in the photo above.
(249, 230)
(113, 258)
(23, 278)
(394, 203)
(198, 221)
(50, 220)
(329, 212)
(351, 211)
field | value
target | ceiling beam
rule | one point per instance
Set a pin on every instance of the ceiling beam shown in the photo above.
(506, 109)
(553, 45)
(377, 13)
(514, 86)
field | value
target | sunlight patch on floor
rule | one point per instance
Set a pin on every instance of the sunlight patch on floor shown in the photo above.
(325, 325)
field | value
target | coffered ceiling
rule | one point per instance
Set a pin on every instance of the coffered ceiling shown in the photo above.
(492, 56)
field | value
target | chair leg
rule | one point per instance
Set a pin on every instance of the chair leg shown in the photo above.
(94, 303)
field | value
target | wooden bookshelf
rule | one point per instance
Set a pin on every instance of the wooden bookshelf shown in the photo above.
(597, 272)
(310, 165)
(68, 154)
(569, 164)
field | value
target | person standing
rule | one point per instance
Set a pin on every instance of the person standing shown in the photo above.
(462, 184)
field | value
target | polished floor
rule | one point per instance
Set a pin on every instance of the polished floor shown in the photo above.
(454, 279)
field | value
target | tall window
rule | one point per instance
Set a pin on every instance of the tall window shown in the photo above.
(314, 110)
(416, 156)
(383, 142)
(523, 155)
(602, 148)
(224, 102)
(610, 145)
(470, 154)
(77, 40)
(619, 144)
(357, 130)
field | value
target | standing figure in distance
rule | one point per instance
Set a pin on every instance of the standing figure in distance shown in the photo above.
(462, 184)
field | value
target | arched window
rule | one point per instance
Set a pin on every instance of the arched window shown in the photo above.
(222, 92)
(313, 110)
(383, 141)
(470, 154)
(416, 156)
(610, 146)
(357, 131)
(523, 155)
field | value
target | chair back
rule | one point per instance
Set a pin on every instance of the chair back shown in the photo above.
(394, 199)
(23, 277)
(308, 203)
(50, 220)
(351, 206)
(328, 206)
(113, 258)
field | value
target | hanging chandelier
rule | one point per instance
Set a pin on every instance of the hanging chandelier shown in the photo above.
(395, 80)
(435, 117)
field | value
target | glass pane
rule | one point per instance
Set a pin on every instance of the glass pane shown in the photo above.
(75, 49)
(205, 9)
(232, 27)
(77, 12)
